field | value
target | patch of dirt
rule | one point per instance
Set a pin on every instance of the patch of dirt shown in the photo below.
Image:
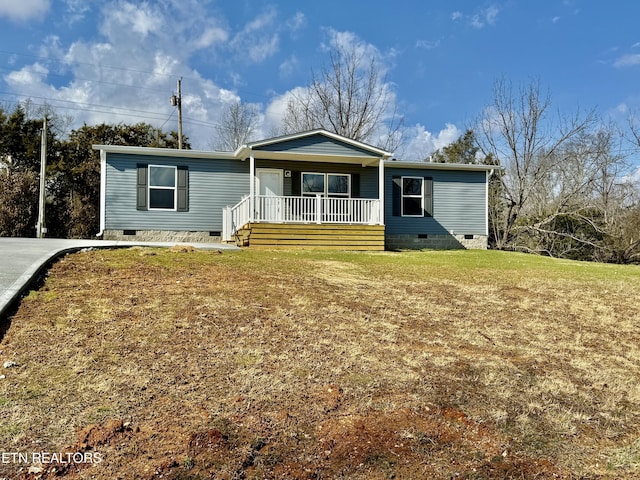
(71, 460)
(442, 443)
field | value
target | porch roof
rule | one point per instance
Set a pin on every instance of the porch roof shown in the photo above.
(306, 157)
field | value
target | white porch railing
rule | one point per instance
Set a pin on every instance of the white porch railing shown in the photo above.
(317, 209)
(234, 218)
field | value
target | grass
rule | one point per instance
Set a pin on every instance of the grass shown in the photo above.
(264, 364)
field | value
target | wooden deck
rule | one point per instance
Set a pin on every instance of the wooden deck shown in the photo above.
(312, 236)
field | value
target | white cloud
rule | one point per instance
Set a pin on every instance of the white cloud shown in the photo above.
(628, 60)
(211, 36)
(621, 108)
(277, 107)
(491, 14)
(428, 44)
(349, 41)
(634, 177)
(480, 19)
(24, 10)
(419, 143)
(258, 52)
(27, 75)
(141, 19)
(128, 73)
(76, 11)
(485, 17)
(297, 22)
(288, 66)
(259, 39)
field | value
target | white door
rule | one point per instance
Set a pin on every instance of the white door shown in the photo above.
(269, 185)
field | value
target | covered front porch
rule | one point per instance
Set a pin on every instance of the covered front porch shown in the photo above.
(306, 222)
(311, 179)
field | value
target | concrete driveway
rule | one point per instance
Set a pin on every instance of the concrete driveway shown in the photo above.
(21, 259)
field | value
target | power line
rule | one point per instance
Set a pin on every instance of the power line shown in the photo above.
(64, 62)
(147, 115)
(49, 74)
(80, 103)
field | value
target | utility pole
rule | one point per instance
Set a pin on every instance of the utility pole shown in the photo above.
(40, 229)
(176, 101)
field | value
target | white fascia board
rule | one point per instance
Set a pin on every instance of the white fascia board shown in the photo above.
(305, 157)
(442, 166)
(164, 152)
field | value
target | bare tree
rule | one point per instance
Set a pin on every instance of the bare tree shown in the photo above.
(349, 97)
(58, 123)
(518, 131)
(237, 125)
(577, 209)
(634, 129)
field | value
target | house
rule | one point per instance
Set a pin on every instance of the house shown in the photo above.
(311, 189)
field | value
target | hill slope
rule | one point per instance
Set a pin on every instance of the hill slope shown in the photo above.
(180, 364)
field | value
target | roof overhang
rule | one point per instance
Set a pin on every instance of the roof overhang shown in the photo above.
(469, 167)
(306, 157)
(165, 152)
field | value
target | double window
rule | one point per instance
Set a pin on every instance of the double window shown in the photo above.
(326, 184)
(162, 187)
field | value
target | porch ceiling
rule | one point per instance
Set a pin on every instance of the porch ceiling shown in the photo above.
(300, 157)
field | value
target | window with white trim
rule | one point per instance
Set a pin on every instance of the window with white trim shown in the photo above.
(326, 184)
(162, 187)
(313, 183)
(412, 196)
(338, 185)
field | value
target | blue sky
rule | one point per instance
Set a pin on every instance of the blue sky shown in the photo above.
(119, 60)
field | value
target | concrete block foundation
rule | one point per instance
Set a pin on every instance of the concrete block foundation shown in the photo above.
(436, 242)
(162, 236)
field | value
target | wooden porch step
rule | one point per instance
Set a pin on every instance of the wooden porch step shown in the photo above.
(330, 236)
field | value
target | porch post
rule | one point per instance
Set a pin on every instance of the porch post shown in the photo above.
(381, 190)
(318, 208)
(252, 185)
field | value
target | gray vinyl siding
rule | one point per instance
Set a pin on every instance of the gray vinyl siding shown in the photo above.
(459, 203)
(213, 184)
(368, 175)
(317, 145)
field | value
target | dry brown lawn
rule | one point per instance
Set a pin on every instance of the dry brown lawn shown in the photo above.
(263, 364)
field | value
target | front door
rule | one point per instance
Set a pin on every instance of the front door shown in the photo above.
(269, 185)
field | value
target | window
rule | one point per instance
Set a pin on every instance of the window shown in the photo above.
(412, 197)
(338, 185)
(312, 183)
(162, 187)
(326, 184)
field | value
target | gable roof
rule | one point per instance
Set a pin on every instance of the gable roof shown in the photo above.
(293, 145)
